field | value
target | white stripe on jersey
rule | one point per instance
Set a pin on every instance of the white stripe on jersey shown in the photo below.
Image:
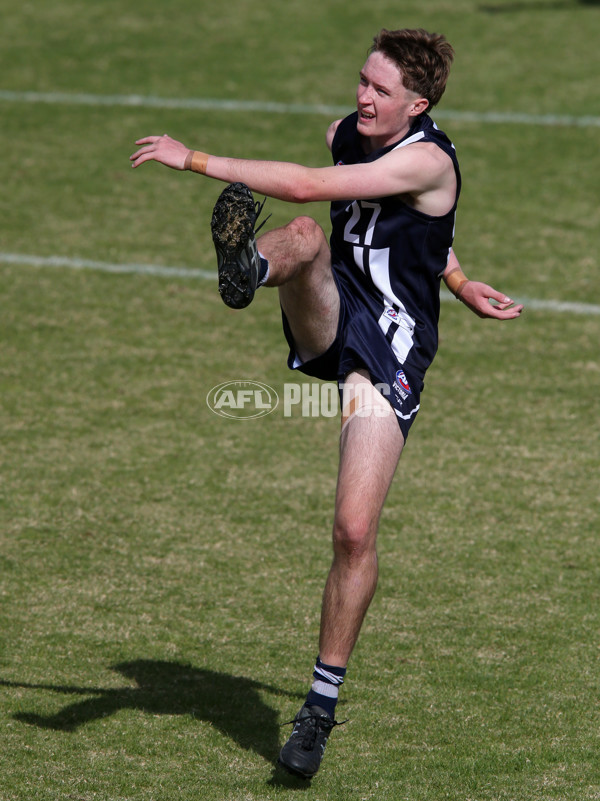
(411, 140)
(402, 342)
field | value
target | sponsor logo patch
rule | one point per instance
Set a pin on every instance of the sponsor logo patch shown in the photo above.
(403, 381)
(401, 386)
(401, 320)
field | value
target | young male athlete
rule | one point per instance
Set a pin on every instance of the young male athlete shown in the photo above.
(362, 310)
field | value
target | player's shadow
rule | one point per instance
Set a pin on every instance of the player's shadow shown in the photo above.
(232, 704)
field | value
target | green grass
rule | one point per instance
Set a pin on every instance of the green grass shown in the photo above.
(161, 567)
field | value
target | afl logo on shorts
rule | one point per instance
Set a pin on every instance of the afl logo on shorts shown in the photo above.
(403, 381)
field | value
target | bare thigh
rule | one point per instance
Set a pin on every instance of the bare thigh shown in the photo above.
(370, 448)
(300, 266)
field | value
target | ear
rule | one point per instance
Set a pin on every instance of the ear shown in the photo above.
(418, 106)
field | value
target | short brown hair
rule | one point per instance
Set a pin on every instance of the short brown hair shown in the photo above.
(423, 58)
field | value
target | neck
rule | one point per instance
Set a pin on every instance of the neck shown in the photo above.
(372, 143)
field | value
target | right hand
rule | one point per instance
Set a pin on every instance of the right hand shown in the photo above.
(163, 149)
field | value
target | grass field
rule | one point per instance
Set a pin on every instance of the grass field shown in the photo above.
(160, 566)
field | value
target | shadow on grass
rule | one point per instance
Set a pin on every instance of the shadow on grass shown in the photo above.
(232, 704)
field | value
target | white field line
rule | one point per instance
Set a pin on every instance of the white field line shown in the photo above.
(105, 267)
(216, 104)
(532, 304)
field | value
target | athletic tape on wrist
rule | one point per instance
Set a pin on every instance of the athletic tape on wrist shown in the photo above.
(455, 281)
(196, 161)
(460, 287)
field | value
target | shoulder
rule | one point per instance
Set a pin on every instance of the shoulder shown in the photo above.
(342, 130)
(427, 176)
(331, 131)
(425, 156)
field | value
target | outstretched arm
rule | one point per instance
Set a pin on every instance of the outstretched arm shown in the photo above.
(478, 296)
(421, 170)
(286, 181)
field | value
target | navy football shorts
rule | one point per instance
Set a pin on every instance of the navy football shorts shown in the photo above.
(360, 343)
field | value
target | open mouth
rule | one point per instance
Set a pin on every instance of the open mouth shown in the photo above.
(366, 115)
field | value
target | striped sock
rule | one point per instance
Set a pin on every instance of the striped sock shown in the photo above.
(263, 273)
(325, 687)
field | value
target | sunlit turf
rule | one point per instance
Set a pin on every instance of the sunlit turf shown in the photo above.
(161, 567)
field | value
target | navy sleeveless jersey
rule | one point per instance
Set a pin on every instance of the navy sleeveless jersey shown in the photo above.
(391, 256)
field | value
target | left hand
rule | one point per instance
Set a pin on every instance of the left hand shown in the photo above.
(478, 296)
(163, 149)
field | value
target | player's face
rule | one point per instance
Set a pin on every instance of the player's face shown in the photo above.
(385, 106)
